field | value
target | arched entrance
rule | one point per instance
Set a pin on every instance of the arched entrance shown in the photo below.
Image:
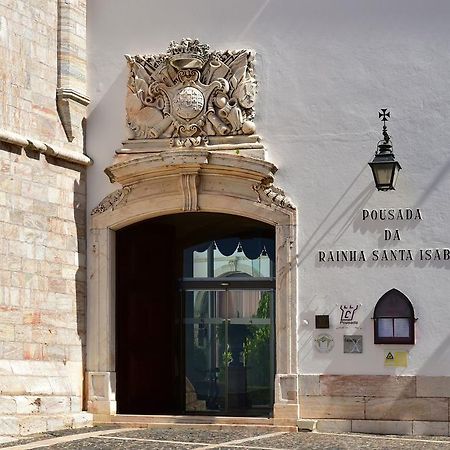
(195, 316)
(190, 183)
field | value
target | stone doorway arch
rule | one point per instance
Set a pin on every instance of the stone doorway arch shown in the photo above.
(177, 181)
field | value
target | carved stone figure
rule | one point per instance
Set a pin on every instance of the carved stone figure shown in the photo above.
(190, 93)
(268, 193)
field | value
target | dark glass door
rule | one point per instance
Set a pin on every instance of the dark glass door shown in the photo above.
(229, 357)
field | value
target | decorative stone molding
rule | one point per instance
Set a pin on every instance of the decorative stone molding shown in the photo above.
(238, 145)
(102, 398)
(65, 100)
(190, 92)
(130, 169)
(112, 200)
(172, 182)
(270, 194)
(70, 94)
(189, 142)
(189, 186)
(42, 147)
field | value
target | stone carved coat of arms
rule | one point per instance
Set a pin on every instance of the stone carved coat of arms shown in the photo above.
(190, 93)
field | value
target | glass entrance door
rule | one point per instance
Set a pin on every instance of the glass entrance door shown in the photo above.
(228, 290)
(229, 347)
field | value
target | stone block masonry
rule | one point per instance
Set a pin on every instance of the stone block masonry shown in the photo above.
(43, 49)
(384, 404)
(42, 217)
(42, 291)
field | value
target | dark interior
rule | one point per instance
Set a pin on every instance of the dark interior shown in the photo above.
(149, 355)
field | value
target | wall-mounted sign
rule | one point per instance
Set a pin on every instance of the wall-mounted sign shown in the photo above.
(395, 359)
(324, 343)
(386, 217)
(348, 315)
(353, 344)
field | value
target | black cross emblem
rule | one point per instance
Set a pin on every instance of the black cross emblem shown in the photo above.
(383, 115)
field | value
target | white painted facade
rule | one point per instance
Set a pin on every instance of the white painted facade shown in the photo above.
(324, 71)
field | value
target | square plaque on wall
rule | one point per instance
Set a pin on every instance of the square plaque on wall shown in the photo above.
(353, 344)
(322, 321)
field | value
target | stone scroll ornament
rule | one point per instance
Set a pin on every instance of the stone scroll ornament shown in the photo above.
(190, 93)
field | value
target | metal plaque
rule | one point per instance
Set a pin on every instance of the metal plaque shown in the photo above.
(353, 344)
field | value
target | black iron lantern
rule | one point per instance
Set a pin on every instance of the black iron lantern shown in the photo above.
(384, 166)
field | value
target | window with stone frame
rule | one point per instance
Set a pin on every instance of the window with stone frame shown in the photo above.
(394, 319)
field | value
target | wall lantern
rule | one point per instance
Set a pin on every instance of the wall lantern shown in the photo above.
(384, 166)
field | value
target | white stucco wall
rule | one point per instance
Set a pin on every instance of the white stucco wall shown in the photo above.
(325, 68)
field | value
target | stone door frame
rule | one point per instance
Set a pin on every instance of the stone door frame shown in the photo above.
(186, 181)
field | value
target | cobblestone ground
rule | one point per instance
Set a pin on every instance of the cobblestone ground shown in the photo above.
(100, 438)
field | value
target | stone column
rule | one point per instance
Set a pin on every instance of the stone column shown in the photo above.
(286, 379)
(101, 375)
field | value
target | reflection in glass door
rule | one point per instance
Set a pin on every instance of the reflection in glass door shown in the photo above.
(229, 348)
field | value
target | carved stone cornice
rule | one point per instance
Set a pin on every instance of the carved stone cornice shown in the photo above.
(41, 147)
(71, 94)
(187, 181)
(237, 144)
(112, 201)
(130, 168)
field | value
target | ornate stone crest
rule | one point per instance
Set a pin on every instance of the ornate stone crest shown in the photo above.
(190, 93)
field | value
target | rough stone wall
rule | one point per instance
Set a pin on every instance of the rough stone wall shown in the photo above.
(42, 226)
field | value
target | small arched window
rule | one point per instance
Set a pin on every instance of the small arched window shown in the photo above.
(394, 319)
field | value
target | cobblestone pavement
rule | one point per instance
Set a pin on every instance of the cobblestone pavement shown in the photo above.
(100, 438)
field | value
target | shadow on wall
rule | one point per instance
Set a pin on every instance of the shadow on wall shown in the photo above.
(437, 360)
(75, 230)
(104, 139)
(433, 185)
(79, 209)
(350, 211)
(389, 250)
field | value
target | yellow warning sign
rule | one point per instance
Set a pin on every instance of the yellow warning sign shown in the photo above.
(395, 359)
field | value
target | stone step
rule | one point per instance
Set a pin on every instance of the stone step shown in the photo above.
(191, 419)
(197, 422)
